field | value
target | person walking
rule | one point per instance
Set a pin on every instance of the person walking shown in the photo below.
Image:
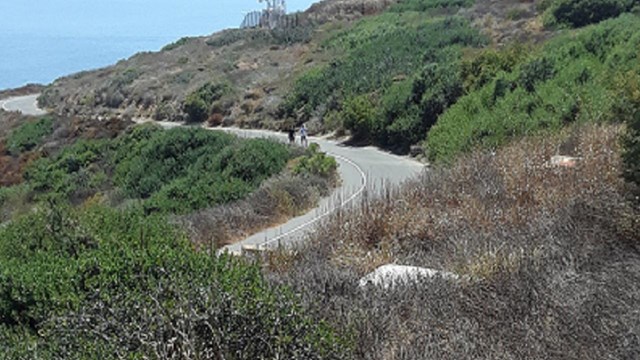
(292, 136)
(303, 136)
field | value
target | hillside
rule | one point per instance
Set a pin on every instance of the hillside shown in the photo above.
(258, 64)
(259, 67)
(524, 231)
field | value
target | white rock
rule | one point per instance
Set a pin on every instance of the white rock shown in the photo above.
(389, 275)
(564, 161)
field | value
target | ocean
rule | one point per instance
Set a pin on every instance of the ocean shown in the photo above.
(36, 58)
(43, 40)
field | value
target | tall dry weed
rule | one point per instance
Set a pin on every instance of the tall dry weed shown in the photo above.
(552, 254)
(277, 200)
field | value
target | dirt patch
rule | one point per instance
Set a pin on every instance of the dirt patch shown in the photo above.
(22, 91)
(507, 21)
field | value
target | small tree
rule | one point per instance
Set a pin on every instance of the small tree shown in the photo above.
(359, 114)
(198, 104)
(578, 13)
(196, 108)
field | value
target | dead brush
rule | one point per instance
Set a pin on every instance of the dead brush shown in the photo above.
(275, 201)
(553, 254)
(484, 193)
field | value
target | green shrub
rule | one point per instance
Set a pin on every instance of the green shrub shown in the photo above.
(97, 283)
(180, 170)
(29, 135)
(310, 90)
(534, 72)
(359, 115)
(255, 160)
(410, 108)
(483, 68)
(159, 157)
(375, 55)
(76, 170)
(164, 157)
(628, 110)
(315, 162)
(180, 42)
(569, 80)
(199, 104)
(196, 108)
(437, 87)
(375, 52)
(177, 170)
(400, 115)
(577, 13)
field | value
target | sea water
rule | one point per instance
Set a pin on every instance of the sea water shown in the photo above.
(41, 58)
(43, 40)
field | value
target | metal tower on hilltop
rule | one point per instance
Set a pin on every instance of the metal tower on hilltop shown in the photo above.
(267, 18)
(275, 6)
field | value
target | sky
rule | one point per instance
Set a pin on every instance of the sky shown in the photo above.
(153, 18)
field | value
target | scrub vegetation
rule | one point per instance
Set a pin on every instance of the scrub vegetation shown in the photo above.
(394, 75)
(108, 233)
(98, 283)
(91, 239)
(176, 171)
(575, 78)
(548, 258)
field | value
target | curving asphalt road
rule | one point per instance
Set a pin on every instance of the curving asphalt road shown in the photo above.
(362, 168)
(28, 105)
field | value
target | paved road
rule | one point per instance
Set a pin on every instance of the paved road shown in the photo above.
(364, 168)
(28, 105)
(360, 169)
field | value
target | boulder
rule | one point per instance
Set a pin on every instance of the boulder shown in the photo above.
(391, 275)
(564, 161)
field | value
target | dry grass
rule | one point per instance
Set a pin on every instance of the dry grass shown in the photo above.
(508, 21)
(341, 10)
(159, 82)
(21, 91)
(487, 194)
(276, 201)
(553, 254)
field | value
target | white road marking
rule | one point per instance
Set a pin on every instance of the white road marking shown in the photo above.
(245, 133)
(318, 218)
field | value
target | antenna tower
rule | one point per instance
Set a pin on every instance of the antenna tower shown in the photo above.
(276, 9)
(270, 17)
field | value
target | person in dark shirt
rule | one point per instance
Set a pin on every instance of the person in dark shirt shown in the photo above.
(303, 136)
(292, 136)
